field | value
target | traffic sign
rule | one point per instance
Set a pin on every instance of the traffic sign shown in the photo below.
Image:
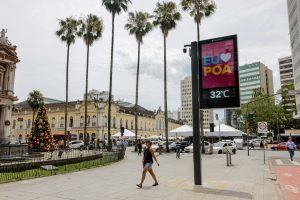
(262, 127)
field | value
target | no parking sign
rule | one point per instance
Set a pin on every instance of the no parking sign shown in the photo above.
(262, 127)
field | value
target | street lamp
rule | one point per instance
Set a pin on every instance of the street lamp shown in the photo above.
(193, 51)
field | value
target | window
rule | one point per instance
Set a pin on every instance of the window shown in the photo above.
(121, 123)
(62, 122)
(71, 122)
(88, 120)
(131, 125)
(21, 124)
(28, 123)
(87, 137)
(94, 120)
(20, 137)
(14, 124)
(81, 136)
(126, 124)
(53, 122)
(1, 78)
(141, 125)
(145, 126)
(105, 121)
(93, 136)
(81, 121)
(114, 123)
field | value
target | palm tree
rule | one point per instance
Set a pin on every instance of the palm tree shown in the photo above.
(199, 9)
(114, 7)
(166, 17)
(35, 100)
(67, 33)
(91, 29)
(139, 25)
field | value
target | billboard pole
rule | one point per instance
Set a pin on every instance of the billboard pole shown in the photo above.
(195, 103)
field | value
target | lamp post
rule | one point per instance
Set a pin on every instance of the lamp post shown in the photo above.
(193, 51)
(68, 136)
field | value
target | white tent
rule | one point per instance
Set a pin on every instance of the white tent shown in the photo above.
(225, 131)
(127, 133)
(184, 130)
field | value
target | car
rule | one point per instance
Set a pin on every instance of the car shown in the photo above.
(207, 147)
(172, 146)
(234, 145)
(255, 142)
(280, 146)
(219, 147)
(76, 144)
(184, 144)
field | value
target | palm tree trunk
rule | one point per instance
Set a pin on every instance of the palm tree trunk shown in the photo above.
(67, 95)
(85, 95)
(110, 79)
(201, 111)
(137, 95)
(165, 93)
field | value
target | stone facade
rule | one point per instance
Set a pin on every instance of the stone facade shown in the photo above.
(8, 61)
(150, 122)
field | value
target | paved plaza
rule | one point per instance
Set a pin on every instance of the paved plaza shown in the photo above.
(248, 178)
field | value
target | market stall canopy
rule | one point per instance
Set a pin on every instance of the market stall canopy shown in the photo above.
(127, 133)
(225, 131)
(184, 131)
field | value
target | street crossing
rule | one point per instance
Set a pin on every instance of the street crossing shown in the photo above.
(284, 162)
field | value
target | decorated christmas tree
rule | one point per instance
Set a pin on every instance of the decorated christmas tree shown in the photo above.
(40, 136)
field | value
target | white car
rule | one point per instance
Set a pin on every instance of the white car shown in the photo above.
(172, 146)
(219, 147)
(207, 147)
(76, 144)
(255, 142)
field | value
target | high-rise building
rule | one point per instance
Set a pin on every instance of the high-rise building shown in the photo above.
(186, 105)
(294, 26)
(255, 76)
(287, 83)
(286, 70)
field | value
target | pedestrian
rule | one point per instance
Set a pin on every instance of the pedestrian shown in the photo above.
(178, 149)
(261, 144)
(139, 146)
(159, 142)
(291, 147)
(147, 164)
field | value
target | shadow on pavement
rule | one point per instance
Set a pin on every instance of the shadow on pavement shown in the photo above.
(229, 193)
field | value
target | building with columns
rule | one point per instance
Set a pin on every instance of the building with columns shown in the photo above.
(8, 61)
(150, 122)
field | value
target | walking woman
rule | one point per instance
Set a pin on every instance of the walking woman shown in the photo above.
(147, 164)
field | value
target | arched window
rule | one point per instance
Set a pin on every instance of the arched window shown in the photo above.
(80, 136)
(81, 121)
(94, 120)
(28, 123)
(27, 136)
(53, 122)
(14, 124)
(21, 124)
(71, 122)
(121, 123)
(114, 123)
(105, 121)
(62, 122)
(159, 125)
(88, 120)
(126, 124)
(93, 136)
(141, 125)
(20, 137)
(131, 125)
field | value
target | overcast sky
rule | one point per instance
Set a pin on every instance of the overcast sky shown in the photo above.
(261, 26)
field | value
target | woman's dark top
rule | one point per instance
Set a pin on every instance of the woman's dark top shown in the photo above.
(139, 145)
(147, 156)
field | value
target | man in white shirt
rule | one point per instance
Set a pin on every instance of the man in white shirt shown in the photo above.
(291, 147)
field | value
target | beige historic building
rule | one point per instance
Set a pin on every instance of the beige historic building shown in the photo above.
(150, 122)
(8, 61)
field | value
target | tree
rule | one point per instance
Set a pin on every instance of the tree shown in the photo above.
(139, 25)
(40, 137)
(114, 7)
(67, 33)
(90, 30)
(199, 9)
(35, 100)
(166, 17)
